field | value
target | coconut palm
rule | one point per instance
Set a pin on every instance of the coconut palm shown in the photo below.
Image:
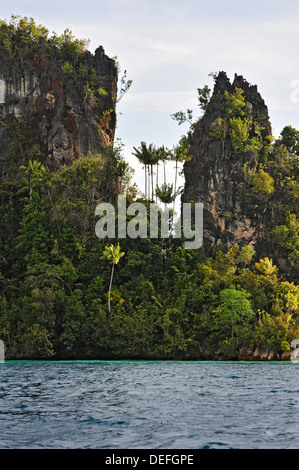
(178, 155)
(112, 254)
(165, 193)
(145, 155)
(265, 266)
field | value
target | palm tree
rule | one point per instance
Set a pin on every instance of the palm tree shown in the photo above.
(39, 178)
(112, 254)
(265, 266)
(178, 155)
(32, 170)
(144, 155)
(165, 193)
(162, 155)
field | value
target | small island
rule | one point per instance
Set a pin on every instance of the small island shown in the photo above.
(66, 294)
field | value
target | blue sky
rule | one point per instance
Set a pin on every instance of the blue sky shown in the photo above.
(169, 47)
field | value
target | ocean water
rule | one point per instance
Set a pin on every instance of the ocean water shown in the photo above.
(149, 405)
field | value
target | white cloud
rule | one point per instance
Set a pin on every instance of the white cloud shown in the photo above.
(169, 47)
(161, 101)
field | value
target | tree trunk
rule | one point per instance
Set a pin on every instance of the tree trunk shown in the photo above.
(109, 293)
(157, 179)
(175, 184)
(152, 177)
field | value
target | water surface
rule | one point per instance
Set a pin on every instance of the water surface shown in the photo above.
(149, 405)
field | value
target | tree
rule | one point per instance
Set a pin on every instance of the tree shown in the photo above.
(179, 155)
(112, 254)
(287, 235)
(246, 254)
(163, 155)
(289, 137)
(265, 266)
(235, 308)
(165, 193)
(144, 155)
(182, 117)
(124, 86)
(204, 96)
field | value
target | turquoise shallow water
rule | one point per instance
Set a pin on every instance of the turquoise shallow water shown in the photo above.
(149, 405)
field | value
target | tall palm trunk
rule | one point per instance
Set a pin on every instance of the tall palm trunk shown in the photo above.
(157, 178)
(145, 181)
(149, 181)
(109, 293)
(152, 175)
(175, 184)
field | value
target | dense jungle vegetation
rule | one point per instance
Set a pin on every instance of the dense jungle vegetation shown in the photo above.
(59, 300)
(166, 301)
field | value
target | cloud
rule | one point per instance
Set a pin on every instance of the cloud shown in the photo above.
(161, 101)
(169, 47)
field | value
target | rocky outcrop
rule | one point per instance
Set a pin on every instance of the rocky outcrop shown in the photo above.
(232, 211)
(244, 354)
(52, 113)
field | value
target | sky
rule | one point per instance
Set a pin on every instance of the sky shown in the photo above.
(169, 48)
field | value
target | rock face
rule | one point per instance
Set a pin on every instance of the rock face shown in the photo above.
(232, 212)
(49, 113)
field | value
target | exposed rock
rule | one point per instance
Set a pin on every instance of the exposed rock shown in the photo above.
(286, 356)
(272, 356)
(257, 354)
(264, 355)
(47, 114)
(246, 354)
(232, 212)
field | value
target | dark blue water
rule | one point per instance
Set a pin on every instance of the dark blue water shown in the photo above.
(149, 405)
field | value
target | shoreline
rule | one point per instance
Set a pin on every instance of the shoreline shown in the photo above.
(243, 357)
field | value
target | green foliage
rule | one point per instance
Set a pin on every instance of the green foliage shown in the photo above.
(204, 97)
(287, 235)
(164, 301)
(246, 254)
(70, 48)
(36, 342)
(219, 129)
(265, 266)
(165, 193)
(289, 138)
(261, 181)
(234, 309)
(235, 103)
(181, 117)
(113, 255)
(239, 133)
(22, 38)
(21, 33)
(125, 85)
(67, 68)
(275, 332)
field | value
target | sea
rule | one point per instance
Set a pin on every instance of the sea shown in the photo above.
(149, 405)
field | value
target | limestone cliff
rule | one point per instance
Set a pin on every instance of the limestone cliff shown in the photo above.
(54, 110)
(230, 151)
